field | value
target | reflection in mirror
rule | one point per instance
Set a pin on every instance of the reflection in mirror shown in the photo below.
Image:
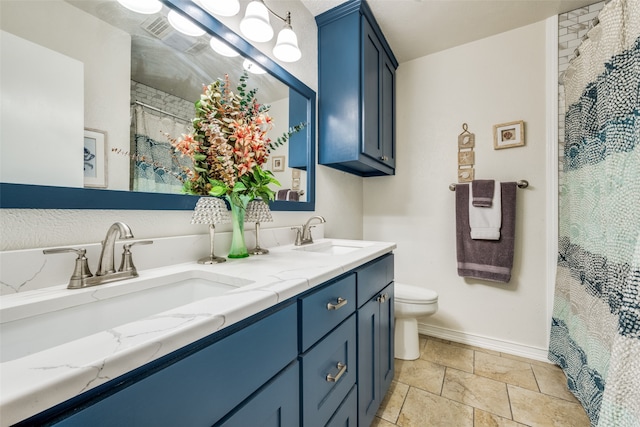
(138, 79)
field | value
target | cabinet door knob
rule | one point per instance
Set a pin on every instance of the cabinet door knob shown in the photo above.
(342, 368)
(341, 302)
(383, 298)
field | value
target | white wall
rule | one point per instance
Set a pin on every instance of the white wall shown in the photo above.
(66, 29)
(338, 195)
(29, 148)
(490, 81)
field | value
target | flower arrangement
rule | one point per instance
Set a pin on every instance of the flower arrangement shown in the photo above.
(229, 144)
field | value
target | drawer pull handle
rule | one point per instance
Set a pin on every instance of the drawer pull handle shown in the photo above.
(341, 302)
(341, 370)
(383, 298)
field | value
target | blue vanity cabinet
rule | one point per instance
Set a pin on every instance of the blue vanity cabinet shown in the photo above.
(201, 384)
(321, 358)
(375, 336)
(356, 97)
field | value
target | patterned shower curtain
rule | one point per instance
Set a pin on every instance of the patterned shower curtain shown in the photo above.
(156, 167)
(595, 332)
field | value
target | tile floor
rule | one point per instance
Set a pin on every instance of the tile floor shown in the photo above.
(458, 385)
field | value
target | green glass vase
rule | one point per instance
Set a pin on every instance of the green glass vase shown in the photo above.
(238, 247)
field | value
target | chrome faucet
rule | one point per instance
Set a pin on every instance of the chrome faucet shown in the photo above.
(82, 277)
(303, 235)
(106, 264)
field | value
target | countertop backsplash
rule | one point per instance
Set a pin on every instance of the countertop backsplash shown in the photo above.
(30, 269)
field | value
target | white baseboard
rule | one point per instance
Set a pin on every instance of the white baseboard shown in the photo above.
(502, 346)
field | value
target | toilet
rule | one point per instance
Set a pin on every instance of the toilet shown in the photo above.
(411, 302)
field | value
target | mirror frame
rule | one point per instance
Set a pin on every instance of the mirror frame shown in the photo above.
(27, 196)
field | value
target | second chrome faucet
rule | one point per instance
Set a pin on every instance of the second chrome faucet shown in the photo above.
(303, 232)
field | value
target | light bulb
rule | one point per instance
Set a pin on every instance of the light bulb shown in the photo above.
(222, 48)
(286, 48)
(184, 25)
(222, 7)
(255, 24)
(146, 7)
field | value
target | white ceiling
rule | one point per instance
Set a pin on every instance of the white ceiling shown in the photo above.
(415, 28)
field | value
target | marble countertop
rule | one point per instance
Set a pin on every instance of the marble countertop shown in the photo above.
(38, 381)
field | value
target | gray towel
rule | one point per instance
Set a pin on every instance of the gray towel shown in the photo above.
(486, 259)
(482, 190)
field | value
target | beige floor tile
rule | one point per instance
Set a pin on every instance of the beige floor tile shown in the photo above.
(476, 348)
(479, 392)
(538, 409)
(526, 360)
(486, 419)
(420, 373)
(448, 355)
(506, 370)
(422, 409)
(379, 422)
(553, 382)
(393, 401)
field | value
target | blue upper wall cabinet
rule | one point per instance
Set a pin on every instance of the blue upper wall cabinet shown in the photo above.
(356, 92)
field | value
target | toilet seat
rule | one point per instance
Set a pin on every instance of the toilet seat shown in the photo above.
(411, 294)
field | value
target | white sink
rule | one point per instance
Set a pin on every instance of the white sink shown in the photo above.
(335, 247)
(31, 326)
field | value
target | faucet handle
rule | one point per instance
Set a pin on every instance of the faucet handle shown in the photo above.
(298, 229)
(81, 270)
(127, 261)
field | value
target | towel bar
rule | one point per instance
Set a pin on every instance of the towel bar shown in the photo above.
(523, 183)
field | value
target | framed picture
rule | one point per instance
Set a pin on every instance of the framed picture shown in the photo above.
(278, 164)
(95, 158)
(508, 135)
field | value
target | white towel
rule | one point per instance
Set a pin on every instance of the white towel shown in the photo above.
(485, 222)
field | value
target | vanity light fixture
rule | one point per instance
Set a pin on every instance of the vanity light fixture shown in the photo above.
(256, 26)
(222, 7)
(286, 48)
(184, 25)
(147, 7)
(222, 48)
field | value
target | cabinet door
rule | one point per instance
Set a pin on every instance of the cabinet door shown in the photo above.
(387, 324)
(372, 54)
(375, 353)
(275, 405)
(388, 112)
(368, 361)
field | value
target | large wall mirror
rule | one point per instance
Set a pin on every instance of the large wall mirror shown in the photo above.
(94, 77)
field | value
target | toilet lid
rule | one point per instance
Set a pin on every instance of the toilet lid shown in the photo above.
(414, 294)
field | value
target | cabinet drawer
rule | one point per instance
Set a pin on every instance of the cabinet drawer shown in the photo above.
(347, 413)
(333, 357)
(373, 277)
(323, 310)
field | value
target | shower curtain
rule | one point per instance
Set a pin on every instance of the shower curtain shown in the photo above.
(595, 332)
(156, 166)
